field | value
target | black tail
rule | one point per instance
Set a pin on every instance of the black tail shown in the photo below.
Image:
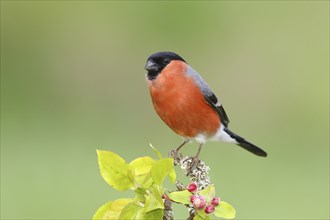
(245, 144)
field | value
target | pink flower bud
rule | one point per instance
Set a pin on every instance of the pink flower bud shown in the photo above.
(215, 201)
(192, 199)
(199, 202)
(192, 187)
(209, 209)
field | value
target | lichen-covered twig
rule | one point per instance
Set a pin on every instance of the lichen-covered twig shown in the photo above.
(168, 211)
(198, 173)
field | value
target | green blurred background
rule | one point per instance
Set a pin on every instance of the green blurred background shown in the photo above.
(72, 81)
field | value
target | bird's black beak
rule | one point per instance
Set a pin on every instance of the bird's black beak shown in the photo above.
(151, 66)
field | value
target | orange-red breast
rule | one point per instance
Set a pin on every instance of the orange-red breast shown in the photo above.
(185, 102)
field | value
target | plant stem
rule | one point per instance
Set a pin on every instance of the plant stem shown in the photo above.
(198, 173)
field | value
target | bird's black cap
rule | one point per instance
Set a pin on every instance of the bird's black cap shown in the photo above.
(158, 61)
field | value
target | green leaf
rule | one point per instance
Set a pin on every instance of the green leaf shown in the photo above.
(129, 211)
(152, 215)
(101, 212)
(201, 213)
(114, 170)
(142, 167)
(224, 210)
(180, 196)
(155, 214)
(111, 210)
(156, 151)
(208, 192)
(141, 214)
(161, 169)
(199, 217)
(152, 203)
(154, 198)
(172, 175)
(140, 195)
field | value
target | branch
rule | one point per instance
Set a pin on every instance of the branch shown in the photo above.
(145, 176)
(198, 173)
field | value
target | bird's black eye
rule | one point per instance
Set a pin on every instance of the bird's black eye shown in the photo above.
(166, 60)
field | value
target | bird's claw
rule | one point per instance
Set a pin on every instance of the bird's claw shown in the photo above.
(173, 153)
(192, 166)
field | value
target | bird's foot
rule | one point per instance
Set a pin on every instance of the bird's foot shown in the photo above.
(192, 166)
(173, 153)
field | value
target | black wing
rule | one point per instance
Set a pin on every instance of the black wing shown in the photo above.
(213, 102)
(208, 95)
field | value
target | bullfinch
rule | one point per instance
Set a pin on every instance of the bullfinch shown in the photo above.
(186, 103)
